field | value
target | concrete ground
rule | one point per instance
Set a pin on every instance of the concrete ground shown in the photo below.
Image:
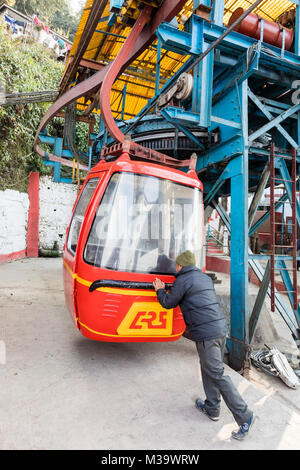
(60, 390)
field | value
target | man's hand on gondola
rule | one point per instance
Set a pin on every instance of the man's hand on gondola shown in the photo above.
(158, 284)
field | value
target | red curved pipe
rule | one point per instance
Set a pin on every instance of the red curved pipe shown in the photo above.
(166, 12)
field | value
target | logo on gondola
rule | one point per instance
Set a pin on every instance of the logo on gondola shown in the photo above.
(148, 319)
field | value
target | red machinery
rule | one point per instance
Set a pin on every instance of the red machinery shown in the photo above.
(131, 219)
(273, 32)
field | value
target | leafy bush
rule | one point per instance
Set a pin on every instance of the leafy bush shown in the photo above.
(23, 68)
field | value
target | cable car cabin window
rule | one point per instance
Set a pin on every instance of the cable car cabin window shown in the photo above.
(79, 214)
(143, 223)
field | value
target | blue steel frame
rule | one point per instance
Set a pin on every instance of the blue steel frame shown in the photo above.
(224, 96)
(58, 149)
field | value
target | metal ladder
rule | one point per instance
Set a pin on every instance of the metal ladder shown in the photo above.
(284, 270)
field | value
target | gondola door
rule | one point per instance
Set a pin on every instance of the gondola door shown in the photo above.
(72, 237)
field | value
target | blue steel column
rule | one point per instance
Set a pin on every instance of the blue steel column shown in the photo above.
(158, 59)
(218, 11)
(239, 247)
(57, 165)
(123, 102)
(203, 72)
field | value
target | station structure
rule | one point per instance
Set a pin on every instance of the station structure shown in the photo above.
(219, 79)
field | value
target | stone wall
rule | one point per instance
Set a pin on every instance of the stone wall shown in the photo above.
(56, 204)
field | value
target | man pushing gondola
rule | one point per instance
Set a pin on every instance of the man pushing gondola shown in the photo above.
(194, 292)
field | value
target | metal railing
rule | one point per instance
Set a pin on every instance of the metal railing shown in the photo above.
(221, 238)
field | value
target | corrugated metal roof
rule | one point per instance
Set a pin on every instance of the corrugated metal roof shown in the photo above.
(107, 41)
(268, 9)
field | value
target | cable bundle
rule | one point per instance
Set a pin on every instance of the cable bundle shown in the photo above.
(275, 363)
(263, 360)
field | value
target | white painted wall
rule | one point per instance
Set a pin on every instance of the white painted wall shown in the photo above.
(56, 204)
(13, 221)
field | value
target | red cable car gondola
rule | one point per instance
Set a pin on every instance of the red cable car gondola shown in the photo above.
(130, 221)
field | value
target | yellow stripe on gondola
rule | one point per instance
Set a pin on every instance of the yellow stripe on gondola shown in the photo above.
(121, 336)
(110, 290)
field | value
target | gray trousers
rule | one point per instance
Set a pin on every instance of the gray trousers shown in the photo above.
(216, 384)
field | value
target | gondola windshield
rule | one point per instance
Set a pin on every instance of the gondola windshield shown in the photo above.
(143, 222)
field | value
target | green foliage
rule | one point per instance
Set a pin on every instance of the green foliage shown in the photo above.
(82, 135)
(26, 68)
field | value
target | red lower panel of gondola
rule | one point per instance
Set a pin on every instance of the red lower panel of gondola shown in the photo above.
(123, 315)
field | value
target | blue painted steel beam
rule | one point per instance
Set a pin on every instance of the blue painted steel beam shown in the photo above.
(57, 165)
(115, 5)
(285, 176)
(48, 162)
(189, 118)
(47, 139)
(274, 122)
(233, 168)
(181, 42)
(237, 74)
(264, 110)
(222, 152)
(56, 175)
(123, 102)
(182, 128)
(57, 142)
(239, 325)
(266, 257)
(107, 33)
(66, 180)
(218, 12)
(158, 59)
(173, 39)
(203, 74)
(281, 266)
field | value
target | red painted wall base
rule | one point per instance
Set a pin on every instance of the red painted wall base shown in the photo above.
(219, 265)
(33, 216)
(32, 225)
(12, 256)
